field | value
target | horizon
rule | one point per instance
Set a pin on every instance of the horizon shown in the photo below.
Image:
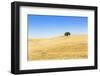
(56, 36)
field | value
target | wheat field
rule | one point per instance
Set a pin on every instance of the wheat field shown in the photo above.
(61, 47)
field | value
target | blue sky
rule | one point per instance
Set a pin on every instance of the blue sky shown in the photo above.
(41, 26)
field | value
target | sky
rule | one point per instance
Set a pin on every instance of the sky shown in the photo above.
(42, 26)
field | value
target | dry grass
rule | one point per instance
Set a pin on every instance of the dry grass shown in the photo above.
(62, 47)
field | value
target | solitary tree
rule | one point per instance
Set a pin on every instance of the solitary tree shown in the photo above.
(67, 33)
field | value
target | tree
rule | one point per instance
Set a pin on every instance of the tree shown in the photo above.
(67, 33)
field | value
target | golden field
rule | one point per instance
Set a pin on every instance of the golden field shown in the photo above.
(62, 47)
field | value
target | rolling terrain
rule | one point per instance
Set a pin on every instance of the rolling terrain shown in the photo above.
(61, 47)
